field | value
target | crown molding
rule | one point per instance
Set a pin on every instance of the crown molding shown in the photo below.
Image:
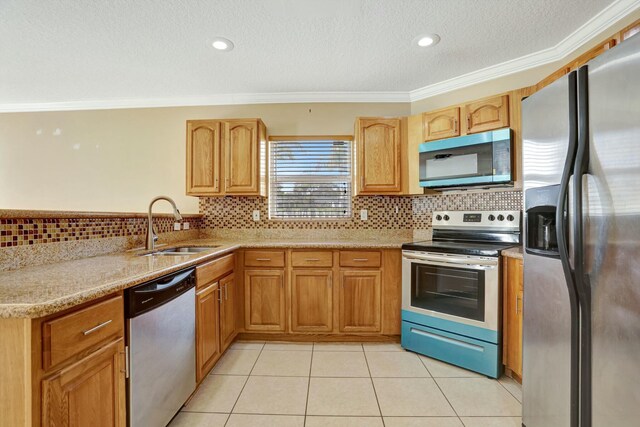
(224, 99)
(574, 41)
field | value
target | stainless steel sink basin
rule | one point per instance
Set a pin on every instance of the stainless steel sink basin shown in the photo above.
(187, 250)
(183, 250)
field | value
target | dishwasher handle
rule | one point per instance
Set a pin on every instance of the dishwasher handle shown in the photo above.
(147, 296)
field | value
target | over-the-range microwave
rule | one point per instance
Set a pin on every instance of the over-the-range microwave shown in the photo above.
(481, 159)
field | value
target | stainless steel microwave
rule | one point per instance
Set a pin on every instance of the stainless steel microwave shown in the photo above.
(482, 159)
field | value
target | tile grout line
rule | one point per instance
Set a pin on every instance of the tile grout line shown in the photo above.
(306, 405)
(509, 391)
(447, 399)
(244, 385)
(375, 393)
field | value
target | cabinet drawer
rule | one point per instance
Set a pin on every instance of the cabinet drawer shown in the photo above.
(75, 332)
(360, 259)
(207, 273)
(312, 259)
(264, 258)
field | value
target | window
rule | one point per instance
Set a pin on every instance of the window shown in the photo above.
(310, 177)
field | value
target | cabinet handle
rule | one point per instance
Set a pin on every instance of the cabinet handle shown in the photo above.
(95, 328)
(226, 292)
(360, 259)
(263, 259)
(468, 122)
(226, 184)
(312, 259)
(455, 126)
(361, 182)
(219, 293)
(125, 371)
(215, 183)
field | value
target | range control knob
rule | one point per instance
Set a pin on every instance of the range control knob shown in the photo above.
(510, 218)
(446, 217)
(491, 218)
(500, 217)
(439, 217)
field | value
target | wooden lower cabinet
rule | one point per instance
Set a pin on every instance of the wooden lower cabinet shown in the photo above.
(90, 392)
(311, 300)
(360, 295)
(207, 329)
(512, 316)
(264, 300)
(227, 311)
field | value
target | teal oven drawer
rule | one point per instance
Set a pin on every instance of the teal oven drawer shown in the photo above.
(468, 353)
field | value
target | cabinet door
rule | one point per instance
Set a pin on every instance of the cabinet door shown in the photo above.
(378, 164)
(488, 114)
(242, 172)
(207, 329)
(91, 392)
(512, 315)
(441, 124)
(311, 300)
(360, 300)
(204, 158)
(227, 311)
(264, 300)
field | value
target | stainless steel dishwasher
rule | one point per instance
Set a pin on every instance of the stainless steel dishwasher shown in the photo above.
(161, 340)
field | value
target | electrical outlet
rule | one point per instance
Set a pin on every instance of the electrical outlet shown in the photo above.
(176, 226)
(397, 209)
(185, 225)
(364, 215)
(256, 215)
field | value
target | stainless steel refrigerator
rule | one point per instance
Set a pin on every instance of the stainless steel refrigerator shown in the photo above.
(581, 169)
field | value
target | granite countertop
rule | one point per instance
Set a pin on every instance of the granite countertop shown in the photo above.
(515, 252)
(46, 289)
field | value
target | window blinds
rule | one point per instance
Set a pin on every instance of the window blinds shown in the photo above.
(310, 179)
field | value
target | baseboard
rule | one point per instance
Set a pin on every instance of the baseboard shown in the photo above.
(262, 336)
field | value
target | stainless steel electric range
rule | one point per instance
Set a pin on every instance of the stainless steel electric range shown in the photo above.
(451, 288)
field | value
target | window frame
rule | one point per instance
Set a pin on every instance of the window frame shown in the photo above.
(309, 138)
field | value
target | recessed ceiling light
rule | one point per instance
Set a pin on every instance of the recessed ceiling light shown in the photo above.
(220, 43)
(427, 40)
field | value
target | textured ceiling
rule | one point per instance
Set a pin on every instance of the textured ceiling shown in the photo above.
(66, 50)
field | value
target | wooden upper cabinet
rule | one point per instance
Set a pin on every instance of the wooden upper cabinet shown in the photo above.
(512, 315)
(245, 144)
(629, 31)
(204, 157)
(264, 300)
(90, 392)
(227, 311)
(226, 157)
(207, 329)
(311, 300)
(441, 124)
(378, 156)
(360, 296)
(487, 114)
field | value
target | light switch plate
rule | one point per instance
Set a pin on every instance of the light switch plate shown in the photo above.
(256, 215)
(176, 226)
(185, 225)
(364, 215)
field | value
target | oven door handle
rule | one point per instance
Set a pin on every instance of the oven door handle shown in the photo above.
(485, 264)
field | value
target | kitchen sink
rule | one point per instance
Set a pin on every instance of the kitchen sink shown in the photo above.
(183, 250)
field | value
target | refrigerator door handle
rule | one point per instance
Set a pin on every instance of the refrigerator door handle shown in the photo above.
(562, 219)
(581, 279)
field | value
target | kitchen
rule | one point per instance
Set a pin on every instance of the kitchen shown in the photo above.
(329, 249)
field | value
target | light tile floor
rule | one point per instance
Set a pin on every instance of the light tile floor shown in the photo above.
(346, 384)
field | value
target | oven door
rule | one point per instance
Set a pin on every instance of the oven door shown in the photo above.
(459, 288)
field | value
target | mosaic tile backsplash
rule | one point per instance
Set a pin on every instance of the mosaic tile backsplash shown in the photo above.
(19, 232)
(384, 212)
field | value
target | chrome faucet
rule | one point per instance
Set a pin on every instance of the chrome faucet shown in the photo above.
(151, 235)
